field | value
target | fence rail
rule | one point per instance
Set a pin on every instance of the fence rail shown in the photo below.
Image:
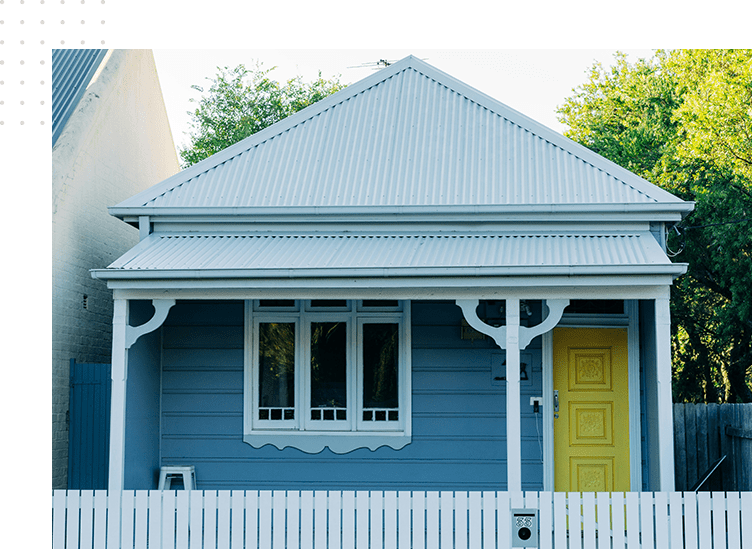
(388, 520)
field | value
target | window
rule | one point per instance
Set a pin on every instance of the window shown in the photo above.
(327, 373)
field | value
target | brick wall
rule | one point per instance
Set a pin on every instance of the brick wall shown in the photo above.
(116, 144)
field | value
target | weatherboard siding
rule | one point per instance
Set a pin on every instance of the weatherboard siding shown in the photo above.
(458, 420)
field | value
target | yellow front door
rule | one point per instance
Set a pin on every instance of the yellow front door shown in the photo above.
(591, 432)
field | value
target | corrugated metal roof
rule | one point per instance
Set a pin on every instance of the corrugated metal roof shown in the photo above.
(72, 70)
(407, 136)
(423, 255)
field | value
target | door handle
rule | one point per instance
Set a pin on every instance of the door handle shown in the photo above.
(556, 403)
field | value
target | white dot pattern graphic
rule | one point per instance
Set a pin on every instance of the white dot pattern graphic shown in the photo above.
(28, 31)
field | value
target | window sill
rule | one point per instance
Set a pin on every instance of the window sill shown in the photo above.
(337, 442)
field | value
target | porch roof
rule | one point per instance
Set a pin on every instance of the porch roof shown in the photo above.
(286, 256)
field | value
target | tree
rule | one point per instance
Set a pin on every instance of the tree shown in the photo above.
(683, 120)
(240, 102)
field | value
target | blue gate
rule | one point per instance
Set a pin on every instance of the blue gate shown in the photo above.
(89, 429)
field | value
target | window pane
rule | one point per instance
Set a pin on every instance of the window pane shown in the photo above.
(276, 366)
(381, 303)
(286, 303)
(329, 303)
(328, 365)
(380, 345)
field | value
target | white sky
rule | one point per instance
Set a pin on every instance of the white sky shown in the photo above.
(534, 82)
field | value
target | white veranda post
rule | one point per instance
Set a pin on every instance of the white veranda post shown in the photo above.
(665, 406)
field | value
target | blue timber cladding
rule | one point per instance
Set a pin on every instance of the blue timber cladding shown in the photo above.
(458, 416)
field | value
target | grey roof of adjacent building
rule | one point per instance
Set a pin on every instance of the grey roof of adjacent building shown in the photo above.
(72, 70)
(285, 256)
(409, 136)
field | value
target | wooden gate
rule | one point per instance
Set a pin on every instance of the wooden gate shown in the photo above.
(89, 429)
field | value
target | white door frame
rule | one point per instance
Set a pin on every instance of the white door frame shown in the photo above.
(629, 320)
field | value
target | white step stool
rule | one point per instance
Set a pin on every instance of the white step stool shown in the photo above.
(168, 472)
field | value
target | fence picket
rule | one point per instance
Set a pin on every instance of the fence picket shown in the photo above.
(460, 520)
(167, 519)
(488, 502)
(660, 514)
(251, 520)
(348, 520)
(675, 501)
(237, 515)
(446, 510)
(403, 518)
(59, 506)
(390, 520)
(617, 520)
(719, 520)
(574, 521)
(633, 519)
(361, 519)
(335, 519)
(293, 520)
(155, 518)
(279, 515)
(474, 521)
(196, 522)
(377, 520)
(703, 519)
(732, 520)
(560, 520)
(603, 520)
(690, 520)
(419, 520)
(100, 519)
(141, 512)
(265, 519)
(86, 520)
(210, 519)
(503, 522)
(646, 520)
(588, 520)
(72, 518)
(120, 519)
(223, 519)
(545, 520)
(181, 506)
(432, 520)
(319, 519)
(746, 518)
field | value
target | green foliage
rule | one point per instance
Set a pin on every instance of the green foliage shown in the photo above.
(240, 102)
(683, 120)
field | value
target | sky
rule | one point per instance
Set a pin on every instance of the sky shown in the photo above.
(534, 81)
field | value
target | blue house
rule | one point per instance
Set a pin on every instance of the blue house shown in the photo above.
(407, 285)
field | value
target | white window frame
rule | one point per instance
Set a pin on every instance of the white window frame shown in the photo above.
(340, 436)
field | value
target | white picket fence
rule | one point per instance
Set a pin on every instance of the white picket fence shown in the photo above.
(389, 520)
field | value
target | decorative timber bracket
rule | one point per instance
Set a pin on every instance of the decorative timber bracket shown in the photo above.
(499, 334)
(161, 308)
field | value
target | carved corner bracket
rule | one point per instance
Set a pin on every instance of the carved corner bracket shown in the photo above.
(499, 334)
(161, 308)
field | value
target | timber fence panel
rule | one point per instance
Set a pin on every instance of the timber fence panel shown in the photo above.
(704, 433)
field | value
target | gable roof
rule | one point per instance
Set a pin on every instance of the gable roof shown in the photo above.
(72, 70)
(408, 136)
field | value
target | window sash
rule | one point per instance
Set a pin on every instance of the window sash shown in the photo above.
(303, 318)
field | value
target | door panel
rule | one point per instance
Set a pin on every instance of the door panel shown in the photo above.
(591, 432)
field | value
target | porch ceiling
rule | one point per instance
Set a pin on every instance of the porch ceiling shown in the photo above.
(285, 257)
